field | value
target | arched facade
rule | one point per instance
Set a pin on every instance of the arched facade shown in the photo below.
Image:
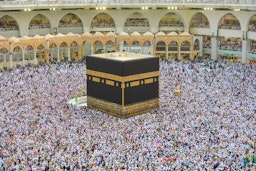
(213, 28)
(39, 24)
(171, 22)
(103, 22)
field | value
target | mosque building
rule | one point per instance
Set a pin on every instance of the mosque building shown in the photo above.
(43, 31)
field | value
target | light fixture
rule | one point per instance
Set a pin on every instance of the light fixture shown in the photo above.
(27, 9)
(100, 8)
(208, 9)
(142, 8)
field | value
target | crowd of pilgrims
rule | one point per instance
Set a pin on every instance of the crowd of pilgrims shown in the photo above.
(209, 126)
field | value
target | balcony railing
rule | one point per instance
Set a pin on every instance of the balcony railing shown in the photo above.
(27, 3)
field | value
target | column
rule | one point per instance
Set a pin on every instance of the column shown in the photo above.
(92, 51)
(214, 48)
(23, 60)
(192, 55)
(47, 56)
(35, 61)
(154, 50)
(4, 59)
(244, 51)
(11, 60)
(68, 53)
(179, 52)
(116, 48)
(154, 46)
(47, 52)
(79, 55)
(58, 54)
(166, 52)
(11, 52)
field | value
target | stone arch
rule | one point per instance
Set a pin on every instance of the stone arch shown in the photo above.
(103, 22)
(171, 22)
(135, 43)
(161, 49)
(4, 50)
(110, 46)
(136, 47)
(185, 46)
(17, 55)
(124, 46)
(98, 47)
(147, 43)
(70, 21)
(63, 51)
(74, 50)
(160, 46)
(86, 49)
(229, 21)
(40, 53)
(252, 23)
(136, 22)
(29, 52)
(39, 21)
(173, 46)
(147, 47)
(9, 26)
(53, 52)
(199, 20)
(4, 56)
(196, 45)
(185, 50)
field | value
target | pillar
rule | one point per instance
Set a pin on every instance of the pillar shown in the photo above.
(47, 52)
(153, 29)
(214, 48)
(116, 48)
(68, 53)
(79, 55)
(47, 56)
(244, 51)
(11, 52)
(4, 58)
(92, 51)
(23, 56)
(119, 28)
(35, 61)
(154, 50)
(179, 52)
(58, 54)
(166, 52)
(191, 53)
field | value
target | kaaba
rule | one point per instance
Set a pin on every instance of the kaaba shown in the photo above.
(122, 84)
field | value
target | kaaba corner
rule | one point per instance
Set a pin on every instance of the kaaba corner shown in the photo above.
(122, 84)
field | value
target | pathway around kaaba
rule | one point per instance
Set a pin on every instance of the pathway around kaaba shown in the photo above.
(81, 101)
